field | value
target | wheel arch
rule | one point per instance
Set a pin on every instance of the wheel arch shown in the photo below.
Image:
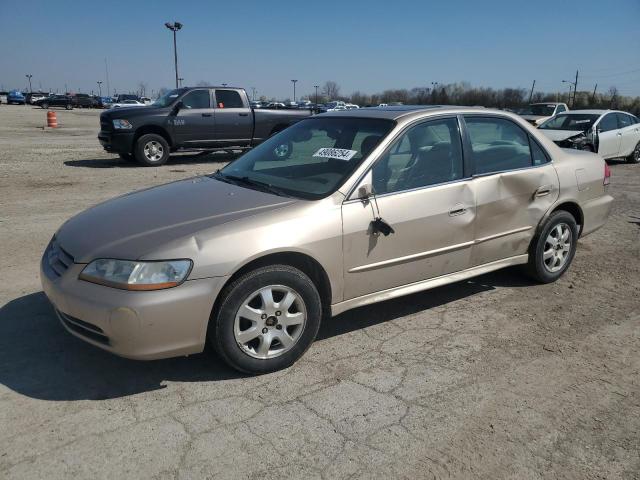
(569, 206)
(158, 130)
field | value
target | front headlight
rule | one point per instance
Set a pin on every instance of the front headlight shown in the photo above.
(130, 275)
(122, 124)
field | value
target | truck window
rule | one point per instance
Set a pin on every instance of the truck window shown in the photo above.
(197, 99)
(228, 99)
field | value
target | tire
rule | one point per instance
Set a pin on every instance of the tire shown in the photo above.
(263, 352)
(68, 106)
(127, 157)
(44, 105)
(550, 269)
(635, 155)
(151, 150)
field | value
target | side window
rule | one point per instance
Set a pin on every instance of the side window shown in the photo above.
(560, 109)
(228, 99)
(608, 123)
(624, 120)
(427, 154)
(497, 145)
(537, 154)
(197, 99)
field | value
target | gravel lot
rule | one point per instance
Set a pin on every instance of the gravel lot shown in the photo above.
(491, 378)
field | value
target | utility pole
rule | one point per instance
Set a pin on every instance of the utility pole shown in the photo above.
(180, 80)
(253, 94)
(316, 87)
(174, 27)
(294, 89)
(106, 70)
(593, 96)
(28, 75)
(575, 90)
(531, 93)
(100, 87)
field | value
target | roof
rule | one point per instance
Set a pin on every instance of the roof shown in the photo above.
(396, 112)
(593, 111)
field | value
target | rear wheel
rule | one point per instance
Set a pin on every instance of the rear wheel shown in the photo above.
(44, 105)
(68, 106)
(635, 155)
(151, 150)
(553, 249)
(266, 320)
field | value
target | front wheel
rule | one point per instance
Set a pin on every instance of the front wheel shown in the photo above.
(151, 150)
(68, 106)
(266, 320)
(553, 249)
(44, 105)
(635, 155)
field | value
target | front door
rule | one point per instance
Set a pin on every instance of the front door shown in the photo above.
(194, 123)
(630, 133)
(609, 136)
(234, 119)
(423, 193)
(514, 185)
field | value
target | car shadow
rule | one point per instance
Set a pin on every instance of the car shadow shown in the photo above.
(178, 159)
(39, 359)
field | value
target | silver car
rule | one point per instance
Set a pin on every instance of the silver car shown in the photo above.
(366, 206)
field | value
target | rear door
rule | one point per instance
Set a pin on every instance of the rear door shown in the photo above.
(234, 119)
(514, 185)
(194, 124)
(609, 136)
(630, 133)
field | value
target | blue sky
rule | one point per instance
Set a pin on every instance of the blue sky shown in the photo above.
(363, 45)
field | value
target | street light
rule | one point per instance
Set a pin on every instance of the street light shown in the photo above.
(574, 91)
(100, 87)
(294, 89)
(29, 77)
(174, 27)
(316, 87)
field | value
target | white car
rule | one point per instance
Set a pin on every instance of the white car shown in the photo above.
(128, 103)
(351, 106)
(538, 113)
(610, 133)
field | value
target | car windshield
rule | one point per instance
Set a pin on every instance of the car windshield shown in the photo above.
(310, 159)
(541, 110)
(570, 121)
(169, 97)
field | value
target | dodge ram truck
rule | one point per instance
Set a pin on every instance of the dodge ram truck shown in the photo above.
(200, 118)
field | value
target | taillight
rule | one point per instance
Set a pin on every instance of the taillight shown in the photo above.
(607, 174)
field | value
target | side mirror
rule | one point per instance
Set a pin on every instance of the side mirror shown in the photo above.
(364, 189)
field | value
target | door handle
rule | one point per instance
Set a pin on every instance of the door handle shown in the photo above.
(457, 210)
(243, 114)
(619, 134)
(542, 191)
(206, 114)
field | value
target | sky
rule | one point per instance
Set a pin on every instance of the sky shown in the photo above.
(368, 46)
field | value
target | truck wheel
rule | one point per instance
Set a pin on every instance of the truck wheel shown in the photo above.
(44, 105)
(68, 106)
(635, 155)
(151, 150)
(266, 320)
(553, 249)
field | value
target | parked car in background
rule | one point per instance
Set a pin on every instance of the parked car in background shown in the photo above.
(145, 100)
(351, 106)
(537, 113)
(121, 97)
(128, 103)
(3, 97)
(83, 100)
(255, 104)
(276, 105)
(65, 101)
(32, 97)
(253, 258)
(610, 133)
(197, 118)
(15, 97)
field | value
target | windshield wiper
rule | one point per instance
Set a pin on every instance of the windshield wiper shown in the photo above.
(264, 186)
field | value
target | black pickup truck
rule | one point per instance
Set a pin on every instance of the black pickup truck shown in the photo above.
(200, 118)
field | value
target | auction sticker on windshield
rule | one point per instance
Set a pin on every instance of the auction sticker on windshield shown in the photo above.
(337, 153)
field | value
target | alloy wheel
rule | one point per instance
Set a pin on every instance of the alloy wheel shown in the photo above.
(153, 151)
(557, 247)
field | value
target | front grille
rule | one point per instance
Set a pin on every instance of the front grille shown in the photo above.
(83, 328)
(57, 258)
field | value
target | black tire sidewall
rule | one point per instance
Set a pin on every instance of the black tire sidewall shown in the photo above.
(536, 261)
(139, 150)
(631, 158)
(222, 337)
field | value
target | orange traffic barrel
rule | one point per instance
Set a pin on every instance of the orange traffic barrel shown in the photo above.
(52, 120)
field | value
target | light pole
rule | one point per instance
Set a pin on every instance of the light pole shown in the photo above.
(294, 89)
(99, 87)
(571, 84)
(253, 93)
(316, 87)
(28, 75)
(174, 27)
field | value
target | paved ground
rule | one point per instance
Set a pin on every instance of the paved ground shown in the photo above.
(492, 378)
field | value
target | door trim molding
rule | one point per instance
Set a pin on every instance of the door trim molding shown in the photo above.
(426, 284)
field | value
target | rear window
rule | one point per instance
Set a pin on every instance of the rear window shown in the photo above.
(228, 99)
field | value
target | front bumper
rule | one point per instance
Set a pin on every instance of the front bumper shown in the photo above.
(116, 142)
(138, 325)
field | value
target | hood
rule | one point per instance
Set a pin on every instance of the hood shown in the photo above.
(132, 225)
(132, 112)
(560, 135)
